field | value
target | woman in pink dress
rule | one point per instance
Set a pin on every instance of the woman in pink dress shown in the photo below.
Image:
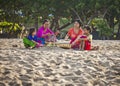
(46, 33)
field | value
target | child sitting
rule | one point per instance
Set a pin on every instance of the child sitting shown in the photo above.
(31, 41)
(86, 39)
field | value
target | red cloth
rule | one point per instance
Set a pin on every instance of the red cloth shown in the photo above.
(74, 35)
(87, 45)
(76, 45)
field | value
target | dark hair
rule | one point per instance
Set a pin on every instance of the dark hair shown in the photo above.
(78, 22)
(45, 21)
(88, 28)
(31, 31)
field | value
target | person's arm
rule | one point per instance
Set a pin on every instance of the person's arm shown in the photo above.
(82, 39)
(30, 38)
(57, 32)
(34, 41)
(44, 35)
(66, 37)
(88, 38)
(50, 33)
(78, 38)
(68, 34)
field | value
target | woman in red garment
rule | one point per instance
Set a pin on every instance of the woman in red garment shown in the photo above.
(74, 33)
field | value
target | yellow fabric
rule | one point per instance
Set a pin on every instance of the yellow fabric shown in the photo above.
(90, 37)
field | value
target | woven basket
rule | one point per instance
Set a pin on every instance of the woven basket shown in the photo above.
(50, 44)
(64, 45)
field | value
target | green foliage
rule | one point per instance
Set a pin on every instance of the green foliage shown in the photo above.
(102, 26)
(85, 10)
(8, 27)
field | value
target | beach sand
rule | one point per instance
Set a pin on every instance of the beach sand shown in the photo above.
(53, 66)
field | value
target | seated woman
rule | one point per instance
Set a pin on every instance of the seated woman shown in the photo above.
(45, 33)
(31, 41)
(73, 34)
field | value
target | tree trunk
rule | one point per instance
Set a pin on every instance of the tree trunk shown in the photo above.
(52, 24)
(36, 22)
(111, 22)
(118, 33)
(74, 11)
(56, 21)
(65, 25)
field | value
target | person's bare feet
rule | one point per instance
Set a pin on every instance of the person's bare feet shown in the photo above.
(39, 45)
(95, 48)
(31, 47)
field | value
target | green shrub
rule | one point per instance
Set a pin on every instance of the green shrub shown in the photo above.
(10, 28)
(102, 26)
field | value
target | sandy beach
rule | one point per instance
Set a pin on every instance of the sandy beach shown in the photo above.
(53, 66)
